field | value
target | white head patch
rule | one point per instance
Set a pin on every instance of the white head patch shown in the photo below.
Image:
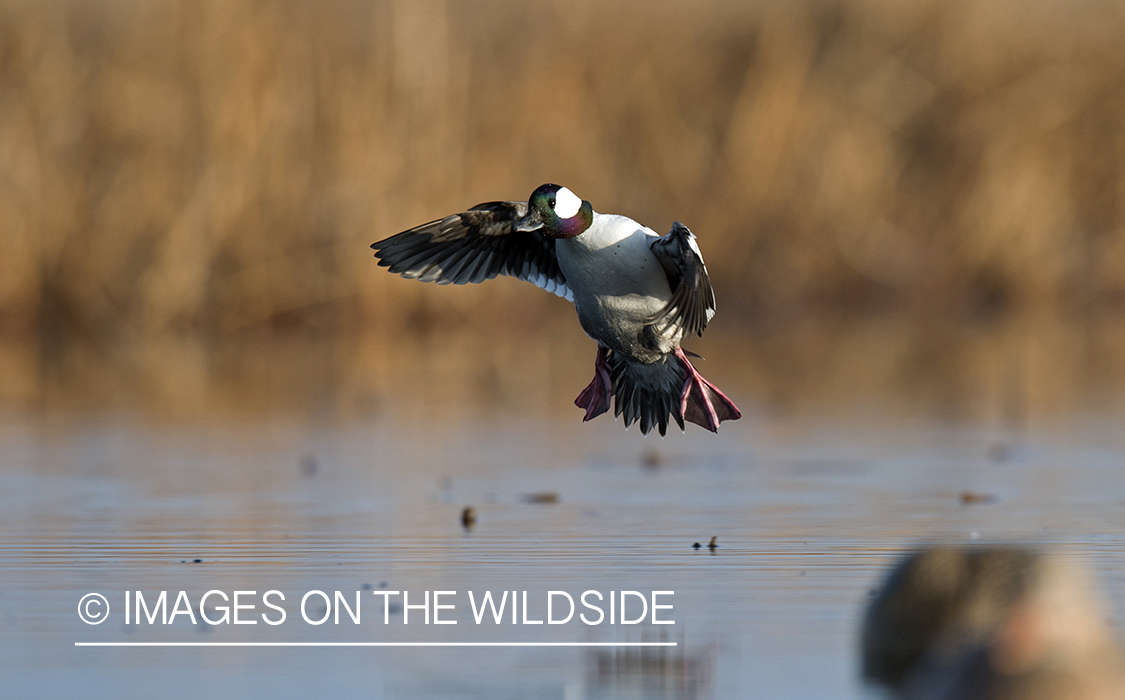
(567, 203)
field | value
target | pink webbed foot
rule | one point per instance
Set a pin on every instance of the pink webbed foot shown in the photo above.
(702, 402)
(595, 397)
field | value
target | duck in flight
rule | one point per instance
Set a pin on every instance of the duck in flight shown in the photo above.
(639, 295)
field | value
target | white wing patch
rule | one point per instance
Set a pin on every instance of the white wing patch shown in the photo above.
(695, 249)
(567, 203)
(545, 282)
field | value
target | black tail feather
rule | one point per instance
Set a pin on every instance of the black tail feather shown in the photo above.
(649, 393)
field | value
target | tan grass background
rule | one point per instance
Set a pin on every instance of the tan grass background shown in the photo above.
(189, 187)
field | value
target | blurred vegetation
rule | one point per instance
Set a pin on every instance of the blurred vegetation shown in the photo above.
(181, 176)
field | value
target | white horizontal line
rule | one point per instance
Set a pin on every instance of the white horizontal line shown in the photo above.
(375, 644)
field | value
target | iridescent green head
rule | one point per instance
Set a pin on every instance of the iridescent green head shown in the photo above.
(559, 211)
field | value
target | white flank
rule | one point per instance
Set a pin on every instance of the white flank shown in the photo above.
(567, 203)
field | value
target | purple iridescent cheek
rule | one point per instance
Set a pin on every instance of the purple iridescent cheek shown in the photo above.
(568, 228)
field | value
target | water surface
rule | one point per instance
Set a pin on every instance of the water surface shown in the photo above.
(807, 516)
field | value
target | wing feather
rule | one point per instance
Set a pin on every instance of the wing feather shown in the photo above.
(693, 300)
(474, 246)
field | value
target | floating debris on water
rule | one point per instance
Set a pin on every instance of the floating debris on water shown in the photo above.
(971, 497)
(542, 498)
(468, 517)
(713, 544)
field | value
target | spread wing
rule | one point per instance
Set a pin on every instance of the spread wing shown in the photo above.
(693, 301)
(474, 246)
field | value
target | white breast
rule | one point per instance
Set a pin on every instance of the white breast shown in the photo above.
(612, 258)
(618, 284)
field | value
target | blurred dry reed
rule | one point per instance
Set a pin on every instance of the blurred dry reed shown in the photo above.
(215, 169)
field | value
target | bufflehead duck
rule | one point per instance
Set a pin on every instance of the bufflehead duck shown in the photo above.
(637, 294)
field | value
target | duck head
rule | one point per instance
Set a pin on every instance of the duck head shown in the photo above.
(557, 211)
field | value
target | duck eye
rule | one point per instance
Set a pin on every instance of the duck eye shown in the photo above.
(551, 202)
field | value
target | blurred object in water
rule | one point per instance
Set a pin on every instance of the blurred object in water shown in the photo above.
(999, 453)
(468, 517)
(653, 673)
(973, 497)
(991, 622)
(541, 498)
(309, 466)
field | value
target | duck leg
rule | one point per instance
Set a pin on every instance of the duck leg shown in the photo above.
(595, 397)
(701, 401)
